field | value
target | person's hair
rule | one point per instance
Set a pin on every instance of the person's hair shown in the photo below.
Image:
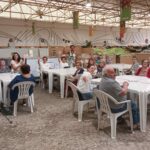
(88, 66)
(103, 61)
(78, 62)
(25, 69)
(106, 69)
(63, 56)
(13, 56)
(2, 60)
(44, 57)
(91, 59)
(72, 46)
(144, 60)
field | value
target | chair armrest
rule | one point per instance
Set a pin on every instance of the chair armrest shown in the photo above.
(127, 101)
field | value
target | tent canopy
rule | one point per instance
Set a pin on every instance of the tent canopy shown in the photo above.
(101, 12)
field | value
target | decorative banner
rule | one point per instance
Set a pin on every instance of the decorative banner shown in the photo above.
(122, 29)
(125, 10)
(91, 30)
(33, 28)
(75, 19)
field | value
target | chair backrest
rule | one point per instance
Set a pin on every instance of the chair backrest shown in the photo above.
(74, 90)
(104, 99)
(23, 88)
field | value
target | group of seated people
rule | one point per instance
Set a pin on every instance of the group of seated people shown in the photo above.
(83, 76)
(17, 65)
(136, 69)
(109, 85)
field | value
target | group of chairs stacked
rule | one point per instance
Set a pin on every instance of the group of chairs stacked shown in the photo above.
(103, 99)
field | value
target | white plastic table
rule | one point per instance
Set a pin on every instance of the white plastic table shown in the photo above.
(62, 73)
(141, 86)
(5, 79)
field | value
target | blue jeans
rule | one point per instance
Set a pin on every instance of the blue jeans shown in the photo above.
(84, 96)
(135, 111)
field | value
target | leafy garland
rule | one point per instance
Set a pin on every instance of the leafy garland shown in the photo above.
(110, 51)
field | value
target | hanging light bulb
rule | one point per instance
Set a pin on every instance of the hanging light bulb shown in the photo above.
(88, 3)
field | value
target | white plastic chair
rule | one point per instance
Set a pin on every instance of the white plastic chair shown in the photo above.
(103, 97)
(80, 104)
(23, 93)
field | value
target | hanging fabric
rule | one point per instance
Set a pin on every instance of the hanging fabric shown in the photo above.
(91, 30)
(122, 29)
(75, 19)
(125, 10)
(33, 28)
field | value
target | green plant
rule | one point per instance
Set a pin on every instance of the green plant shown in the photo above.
(98, 51)
(115, 51)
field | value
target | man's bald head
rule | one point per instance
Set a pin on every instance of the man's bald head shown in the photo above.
(109, 71)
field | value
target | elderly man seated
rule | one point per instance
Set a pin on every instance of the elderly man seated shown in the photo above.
(109, 85)
(3, 67)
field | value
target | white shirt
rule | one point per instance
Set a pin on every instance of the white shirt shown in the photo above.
(13, 63)
(44, 66)
(85, 86)
(62, 65)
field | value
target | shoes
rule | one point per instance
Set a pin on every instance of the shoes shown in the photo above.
(24, 102)
(136, 127)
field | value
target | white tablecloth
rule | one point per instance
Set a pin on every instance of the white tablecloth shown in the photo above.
(140, 85)
(62, 73)
(5, 79)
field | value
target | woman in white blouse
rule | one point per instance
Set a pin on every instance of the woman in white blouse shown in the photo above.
(63, 62)
(16, 62)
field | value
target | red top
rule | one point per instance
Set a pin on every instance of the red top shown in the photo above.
(139, 70)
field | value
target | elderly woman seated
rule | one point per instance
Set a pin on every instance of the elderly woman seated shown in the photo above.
(144, 70)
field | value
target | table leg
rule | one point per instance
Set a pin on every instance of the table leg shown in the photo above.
(66, 92)
(143, 111)
(50, 80)
(62, 85)
(5, 98)
(145, 99)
